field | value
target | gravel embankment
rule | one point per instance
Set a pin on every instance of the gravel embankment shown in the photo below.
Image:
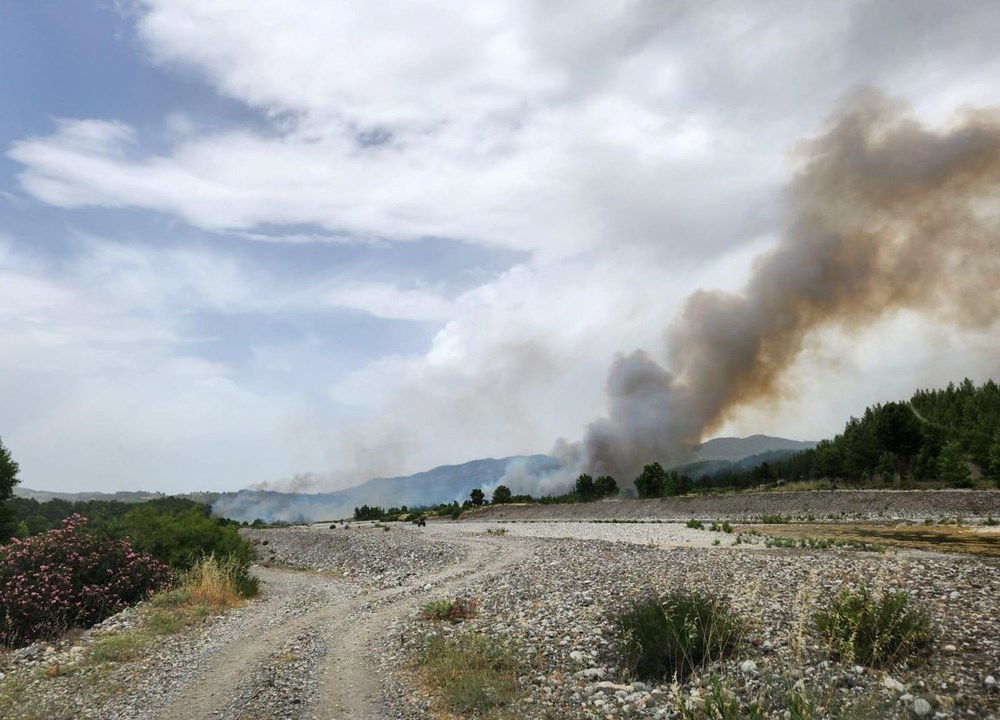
(821, 504)
(366, 554)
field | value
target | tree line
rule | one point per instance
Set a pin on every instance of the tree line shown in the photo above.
(174, 530)
(947, 438)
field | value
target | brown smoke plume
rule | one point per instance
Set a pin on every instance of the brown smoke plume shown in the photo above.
(886, 215)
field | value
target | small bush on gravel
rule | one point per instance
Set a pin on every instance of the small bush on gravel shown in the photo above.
(472, 673)
(695, 524)
(70, 577)
(220, 582)
(452, 610)
(722, 703)
(663, 637)
(873, 630)
(117, 648)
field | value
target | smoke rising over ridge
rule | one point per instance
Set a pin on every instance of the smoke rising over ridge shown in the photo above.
(886, 215)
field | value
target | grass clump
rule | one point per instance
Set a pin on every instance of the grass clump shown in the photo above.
(117, 648)
(723, 704)
(471, 673)
(212, 584)
(695, 524)
(220, 581)
(451, 610)
(668, 636)
(872, 629)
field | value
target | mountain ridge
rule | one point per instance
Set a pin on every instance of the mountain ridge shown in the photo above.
(441, 484)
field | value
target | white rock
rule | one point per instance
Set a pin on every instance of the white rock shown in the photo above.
(892, 684)
(611, 686)
(748, 666)
(990, 681)
(576, 656)
(950, 648)
(921, 708)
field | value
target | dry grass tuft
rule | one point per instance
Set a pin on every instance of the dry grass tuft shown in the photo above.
(220, 583)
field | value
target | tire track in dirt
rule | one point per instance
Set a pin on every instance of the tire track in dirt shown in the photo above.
(351, 621)
(350, 687)
(213, 689)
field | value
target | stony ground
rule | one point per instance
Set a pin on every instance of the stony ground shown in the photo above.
(335, 636)
(815, 505)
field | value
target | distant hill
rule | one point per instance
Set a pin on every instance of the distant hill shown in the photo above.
(713, 468)
(454, 482)
(733, 448)
(440, 485)
(124, 496)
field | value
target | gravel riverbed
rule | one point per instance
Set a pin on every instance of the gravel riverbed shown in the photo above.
(559, 609)
(335, 636)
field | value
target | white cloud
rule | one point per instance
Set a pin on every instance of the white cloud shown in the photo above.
(104, 387)
(632, 151)
(182, 278)
(100, 394)
(385, 300)
(550, 128)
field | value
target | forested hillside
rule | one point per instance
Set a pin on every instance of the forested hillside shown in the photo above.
(948, 438)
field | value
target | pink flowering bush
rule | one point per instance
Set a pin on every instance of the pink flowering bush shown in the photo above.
(70, 577)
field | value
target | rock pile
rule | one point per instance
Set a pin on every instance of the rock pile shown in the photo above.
(373, 555)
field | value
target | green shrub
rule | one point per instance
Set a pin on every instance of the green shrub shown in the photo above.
(726, 527)
(180, 537)
(471, 673)
(663, 637)
(70, 577)
(695, 524)
(780, 542)
(452, 610)
(875, 630)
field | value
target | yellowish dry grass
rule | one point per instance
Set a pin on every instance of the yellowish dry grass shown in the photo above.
(971, 539)
(210, 582)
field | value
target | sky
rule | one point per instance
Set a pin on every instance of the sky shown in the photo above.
(301, 243)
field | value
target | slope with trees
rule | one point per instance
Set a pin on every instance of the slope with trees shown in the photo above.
(943, 438)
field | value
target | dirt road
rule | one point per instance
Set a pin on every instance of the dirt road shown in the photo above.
(323, 642)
